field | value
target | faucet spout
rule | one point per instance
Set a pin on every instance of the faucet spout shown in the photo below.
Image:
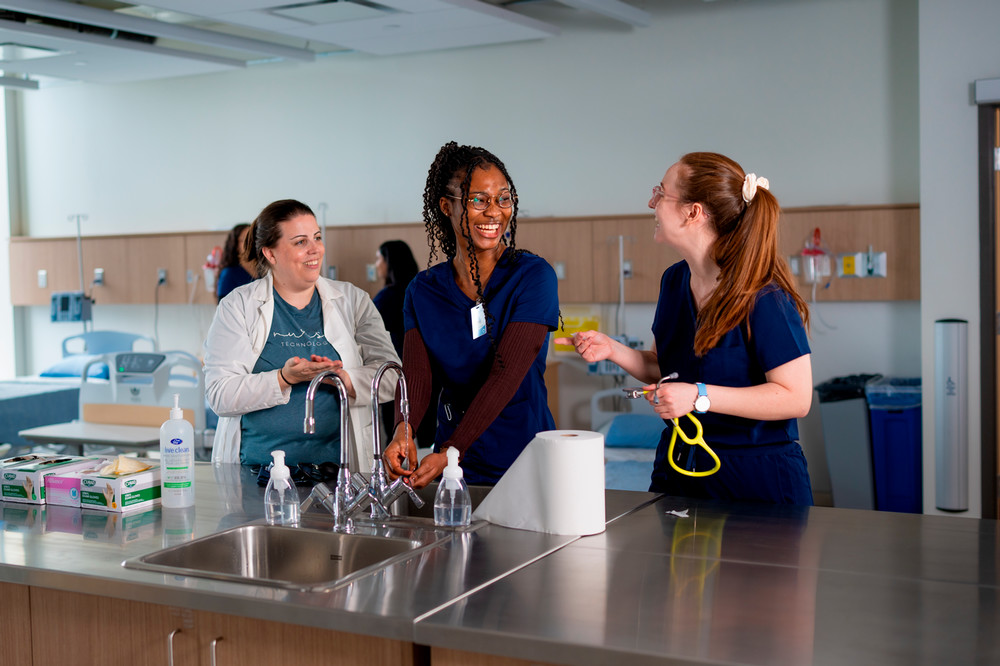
(384, 494)
(343, 500)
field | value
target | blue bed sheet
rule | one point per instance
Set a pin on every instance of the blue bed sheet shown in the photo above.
(29, 404)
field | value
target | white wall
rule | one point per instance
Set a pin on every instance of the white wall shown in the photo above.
(958, 44)
(820, 96)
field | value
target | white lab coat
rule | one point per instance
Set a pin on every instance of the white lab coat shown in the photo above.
(237, 337)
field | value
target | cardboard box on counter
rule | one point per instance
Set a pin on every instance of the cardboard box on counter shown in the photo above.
(24, 480)
(120, 492)
(63, 488)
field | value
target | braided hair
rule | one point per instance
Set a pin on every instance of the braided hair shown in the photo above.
(455, 161)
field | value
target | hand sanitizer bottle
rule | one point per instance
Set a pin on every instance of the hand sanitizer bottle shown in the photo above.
(452, 504)
(281, 501)
(176, 459)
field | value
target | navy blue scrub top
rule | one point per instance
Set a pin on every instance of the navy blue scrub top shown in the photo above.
(521, 289)
(775, 336)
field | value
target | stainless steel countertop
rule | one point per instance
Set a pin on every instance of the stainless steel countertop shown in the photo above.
(728, 584)
(746, 584)
(81, 551)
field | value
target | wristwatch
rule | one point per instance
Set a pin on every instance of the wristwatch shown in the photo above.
(702, 403)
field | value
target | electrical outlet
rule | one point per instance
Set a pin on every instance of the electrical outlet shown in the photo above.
(43, 278)
(370, 270)
(161, 276)
(98, 277)
(627, 269)
(560, 268)
(331, 272)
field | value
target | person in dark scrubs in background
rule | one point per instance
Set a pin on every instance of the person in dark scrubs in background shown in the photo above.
(730, 323)
(396, 267)
(234, 271)
(477, 323)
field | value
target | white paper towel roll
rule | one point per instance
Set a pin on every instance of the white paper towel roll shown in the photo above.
(556, 486)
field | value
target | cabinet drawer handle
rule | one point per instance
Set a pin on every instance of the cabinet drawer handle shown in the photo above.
(170, 646)
(214, 648)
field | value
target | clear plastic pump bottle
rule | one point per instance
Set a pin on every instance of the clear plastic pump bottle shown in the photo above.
(452, 504)
(281, 501)
(176, 459)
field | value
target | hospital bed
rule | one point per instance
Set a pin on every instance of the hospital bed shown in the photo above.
(34, 401)
(125, 411)
(631, 432)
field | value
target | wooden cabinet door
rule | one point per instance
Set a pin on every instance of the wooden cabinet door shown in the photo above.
(73, 628)
(15, 624)
(240, 641)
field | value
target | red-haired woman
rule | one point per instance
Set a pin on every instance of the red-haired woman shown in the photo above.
(731, 325)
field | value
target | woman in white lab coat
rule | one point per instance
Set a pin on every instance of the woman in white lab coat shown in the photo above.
(270, 338)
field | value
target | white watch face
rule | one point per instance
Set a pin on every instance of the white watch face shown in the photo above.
(702, 403)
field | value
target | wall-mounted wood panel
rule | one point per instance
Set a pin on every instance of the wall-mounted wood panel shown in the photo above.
(568, 242)
(56, 256)
(352, 250)
(196, 250)
(894, 230)
(648, 259)
(588, 247)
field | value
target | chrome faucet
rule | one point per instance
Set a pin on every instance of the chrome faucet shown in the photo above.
(349, 495)
(384, 494)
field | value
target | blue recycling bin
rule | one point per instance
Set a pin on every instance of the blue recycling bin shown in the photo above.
(894, 407)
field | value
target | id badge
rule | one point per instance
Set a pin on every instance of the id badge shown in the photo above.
(478, 321)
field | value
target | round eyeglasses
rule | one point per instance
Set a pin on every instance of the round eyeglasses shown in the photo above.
(481, 200)
(658, 194)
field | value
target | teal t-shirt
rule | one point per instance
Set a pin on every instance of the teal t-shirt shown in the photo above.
(294, 332)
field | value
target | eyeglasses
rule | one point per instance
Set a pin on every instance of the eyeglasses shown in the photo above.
(481, 200)
(658, 194)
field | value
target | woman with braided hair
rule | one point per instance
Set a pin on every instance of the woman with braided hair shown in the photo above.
(477, 323)
(731, 325)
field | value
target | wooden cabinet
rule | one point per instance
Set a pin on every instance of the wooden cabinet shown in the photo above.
(15, 624)
(100, 630)
(238, 641)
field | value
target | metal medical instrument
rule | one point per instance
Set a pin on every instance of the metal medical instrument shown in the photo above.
(697, 439)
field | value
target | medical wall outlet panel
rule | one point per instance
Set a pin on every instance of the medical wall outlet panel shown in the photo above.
(71, 306)
(862, 264)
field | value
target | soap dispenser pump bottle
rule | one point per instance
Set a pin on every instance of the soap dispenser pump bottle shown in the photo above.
(452, 504)
(281, 501)
(176, 459)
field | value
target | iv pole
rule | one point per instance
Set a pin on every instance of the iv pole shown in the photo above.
(79, 256)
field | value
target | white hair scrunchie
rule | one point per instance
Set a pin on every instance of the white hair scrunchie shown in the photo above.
(750, 185)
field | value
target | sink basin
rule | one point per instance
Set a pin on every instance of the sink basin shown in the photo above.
(288, 557)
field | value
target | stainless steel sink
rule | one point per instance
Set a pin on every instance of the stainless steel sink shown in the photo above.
(287, 557)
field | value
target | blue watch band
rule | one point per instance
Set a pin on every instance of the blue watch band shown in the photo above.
(701, 403)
